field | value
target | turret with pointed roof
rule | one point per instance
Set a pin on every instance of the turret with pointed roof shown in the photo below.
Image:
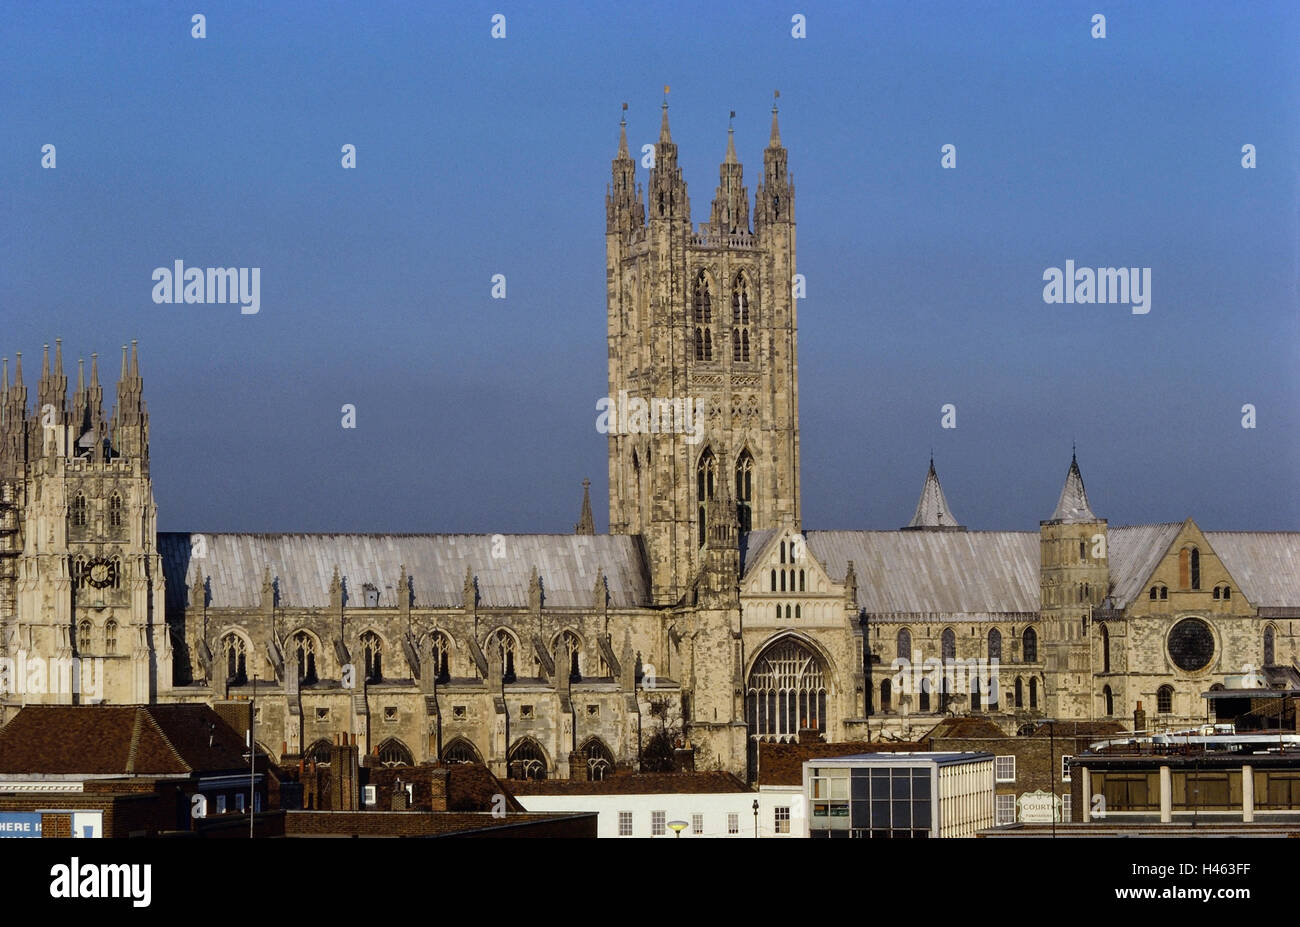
(932, 512)
(1073, 507)
(586, 524)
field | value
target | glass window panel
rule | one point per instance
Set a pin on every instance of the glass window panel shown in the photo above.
(921, 783)
(902, 814)
(880, 814)
(902, 784)
(861, 814)
(920, 813)
(839, 788)
(861, 784)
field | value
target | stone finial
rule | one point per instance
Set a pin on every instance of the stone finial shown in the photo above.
(535, 591)
(851, 585)
(198, 590)
(268, 589)
(586, 524)
(600, 592)
(469, 592)
(336, 590)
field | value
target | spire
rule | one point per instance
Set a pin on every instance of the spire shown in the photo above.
(932, 508)
(53, 388)
(1073, 505)
(665, 135)
(667, 193)
(586, 524)
(624, 211)
(775, 200)
(730, 212)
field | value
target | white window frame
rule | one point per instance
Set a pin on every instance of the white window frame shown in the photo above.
(1067, 806)
(1004, 810)
(625, 823)
(221, 804)
(697, 823)
(999, 768)
(658, 823)
(369, 795)
(780, 820)
(733, 823)
(1065, 767)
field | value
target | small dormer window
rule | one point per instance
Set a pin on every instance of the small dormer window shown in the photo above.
(371, 595)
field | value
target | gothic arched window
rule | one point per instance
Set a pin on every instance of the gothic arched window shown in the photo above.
(995, 645)
(1270, 646)
(79, 511)
(441, 656)
(83, 637)
(599, 760)
(1165, 700)
(373, 649)
(567, 646)
(787, 692)
(1196, 568)
(1029, 645)
(527, 761)
(904, 644)
(1108, 700)
(706, 478)
(504, 641)
(745, 491)
(1020, 693)
(110, 636)
(115, 511)
(886, 696)
(460, 750)
(1105, 649)
(235, 650)
(392, 752)
(740, 300)
(1033, 692)
(702, 305)
(304, 649)
(949, 645)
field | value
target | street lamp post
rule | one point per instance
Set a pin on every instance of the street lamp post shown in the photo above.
(755, 817)
(252, 757)
(677, 827)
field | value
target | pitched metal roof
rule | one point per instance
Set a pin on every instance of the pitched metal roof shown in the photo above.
(302, 565)
(1073, 506)
(974, 573)
(1134, 552)
(1266, 564)
(932, 508)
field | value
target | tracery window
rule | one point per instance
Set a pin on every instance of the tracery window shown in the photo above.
(1270, 646)
(235, 650)
(787, 692)
(304, 649)
(904, 644)
(460, 750)
(83, 637)
(600, 762)
(702, 302)
(115, 511)
(392, 752)
(79, 511)
(373, 650)
(504, 641)
(567, 647)
(441, 656)
(1165, 700)
(745, 491)
(995, 645)
(740, 308)
(527, 761)
(1105, 649)
(706, 477)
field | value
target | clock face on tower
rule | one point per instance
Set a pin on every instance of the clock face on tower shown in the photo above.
(100, 573)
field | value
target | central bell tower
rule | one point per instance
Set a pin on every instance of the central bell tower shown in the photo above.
(703, 369)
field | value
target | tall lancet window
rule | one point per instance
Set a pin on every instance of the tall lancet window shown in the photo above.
(702, 303)
(745, 491)
(740, 313)
(706, 478)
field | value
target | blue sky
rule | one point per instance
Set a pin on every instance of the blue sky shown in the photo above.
(479, 156)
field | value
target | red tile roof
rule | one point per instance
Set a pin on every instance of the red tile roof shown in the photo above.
(139, 740)
(782, 764)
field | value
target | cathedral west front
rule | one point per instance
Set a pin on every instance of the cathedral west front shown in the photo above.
(707, 619)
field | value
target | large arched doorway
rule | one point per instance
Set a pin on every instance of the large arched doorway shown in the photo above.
(787, 692)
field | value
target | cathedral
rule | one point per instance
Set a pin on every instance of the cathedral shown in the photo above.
(708, 619)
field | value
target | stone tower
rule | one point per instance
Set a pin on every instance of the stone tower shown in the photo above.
(81, 587)
(703, 368)
(1074, 575)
